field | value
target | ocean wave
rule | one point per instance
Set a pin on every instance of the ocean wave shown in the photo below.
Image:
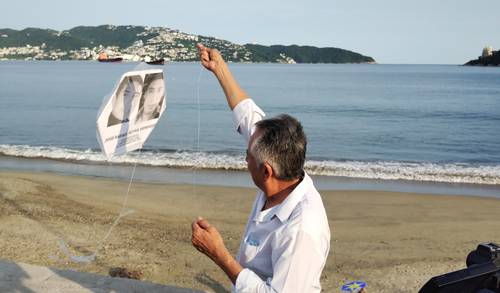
(384, 170)
(157, 158)
(450, 173)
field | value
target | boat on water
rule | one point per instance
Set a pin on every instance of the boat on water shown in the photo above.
(103, 57)
(152, 61)
(160, 61)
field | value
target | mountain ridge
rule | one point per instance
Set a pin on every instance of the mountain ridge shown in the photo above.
(135, 43)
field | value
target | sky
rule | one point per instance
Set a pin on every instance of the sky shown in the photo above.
(390, 31)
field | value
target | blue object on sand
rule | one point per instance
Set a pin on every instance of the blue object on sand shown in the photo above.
(354, 286)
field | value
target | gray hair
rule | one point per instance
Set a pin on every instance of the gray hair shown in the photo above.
(282, 144)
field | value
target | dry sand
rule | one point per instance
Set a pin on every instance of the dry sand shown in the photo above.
(393, 241)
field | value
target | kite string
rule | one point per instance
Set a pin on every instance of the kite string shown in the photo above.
(198, 132)
(197, 151)
(199, 111)
(88, 258)
(122, 213)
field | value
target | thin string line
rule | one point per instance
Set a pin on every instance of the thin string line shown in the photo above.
(198, 131)
(89, 258)
(122, 213)
(199, 110)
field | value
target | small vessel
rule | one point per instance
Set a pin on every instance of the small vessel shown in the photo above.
(152, 61)
(160, 61)
(103, 57)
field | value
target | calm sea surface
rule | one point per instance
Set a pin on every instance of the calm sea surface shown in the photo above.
(413, 122)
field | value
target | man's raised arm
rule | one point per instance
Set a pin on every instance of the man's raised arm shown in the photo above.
(212, 60)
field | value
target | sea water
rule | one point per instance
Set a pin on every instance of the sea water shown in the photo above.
(418, 123)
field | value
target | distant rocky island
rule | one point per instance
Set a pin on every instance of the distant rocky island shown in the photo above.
(139, 43)
(487, 58)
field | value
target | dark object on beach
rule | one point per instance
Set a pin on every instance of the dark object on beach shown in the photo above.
(157, 62)
(482, 274)
(118, 272)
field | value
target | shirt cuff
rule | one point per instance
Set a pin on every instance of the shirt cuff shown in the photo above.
(243, 109)
(247, 281)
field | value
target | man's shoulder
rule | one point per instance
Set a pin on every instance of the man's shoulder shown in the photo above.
(309, 215)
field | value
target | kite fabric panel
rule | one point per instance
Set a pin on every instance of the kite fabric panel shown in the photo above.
(128, 116)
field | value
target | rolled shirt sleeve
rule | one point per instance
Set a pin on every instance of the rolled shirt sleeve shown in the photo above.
(245, 115)
(297, 266)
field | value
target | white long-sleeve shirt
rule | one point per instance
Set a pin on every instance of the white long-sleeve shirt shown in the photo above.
(284, 248)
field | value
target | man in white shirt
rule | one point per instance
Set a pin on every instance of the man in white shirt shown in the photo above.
(287, 238)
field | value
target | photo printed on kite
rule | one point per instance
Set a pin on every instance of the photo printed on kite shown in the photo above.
(129, 114)
(151, 101)
(125, 99)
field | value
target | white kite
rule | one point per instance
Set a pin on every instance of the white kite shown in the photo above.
(124, 122)
(130, 113)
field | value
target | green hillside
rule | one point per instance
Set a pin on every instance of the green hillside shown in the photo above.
(306, 54)
(137, 42)
(37, 37)
(105, 35)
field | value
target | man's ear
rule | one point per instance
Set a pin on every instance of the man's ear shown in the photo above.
(268, 170)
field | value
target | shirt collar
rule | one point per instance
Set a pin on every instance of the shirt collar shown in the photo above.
(284, 209)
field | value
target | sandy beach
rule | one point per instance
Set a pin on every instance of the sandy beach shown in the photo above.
(393, 241)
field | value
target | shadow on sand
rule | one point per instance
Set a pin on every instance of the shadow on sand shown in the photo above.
(206, 280)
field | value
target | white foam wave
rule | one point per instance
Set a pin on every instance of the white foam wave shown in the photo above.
(453, 173)
(179, 159)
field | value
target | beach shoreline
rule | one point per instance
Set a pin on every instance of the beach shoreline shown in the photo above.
(392, 240)
(234, 178)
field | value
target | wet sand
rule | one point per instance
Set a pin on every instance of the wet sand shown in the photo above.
(393, 241)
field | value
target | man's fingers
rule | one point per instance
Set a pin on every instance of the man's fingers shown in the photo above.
(205, 59)
(196, 244)
(194, 226)
(202, 50)
(200, 224)
(204, 55)
(204, 224)
(214, 53)
(208, 51)
(208, 56)
(195, 241)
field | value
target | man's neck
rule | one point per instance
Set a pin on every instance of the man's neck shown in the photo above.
(280, 192)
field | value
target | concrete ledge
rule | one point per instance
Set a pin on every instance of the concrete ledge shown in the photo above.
(21, 277)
